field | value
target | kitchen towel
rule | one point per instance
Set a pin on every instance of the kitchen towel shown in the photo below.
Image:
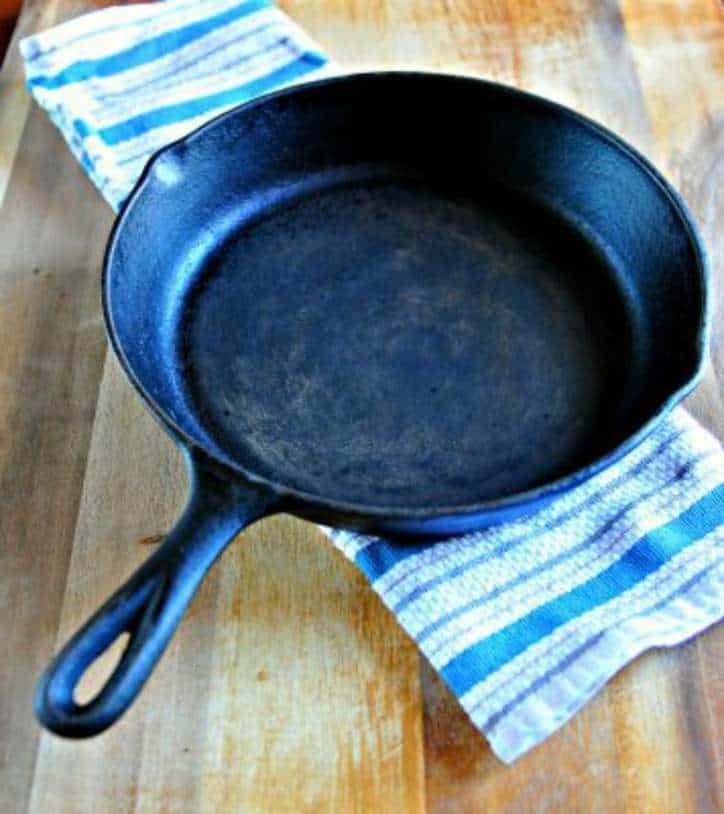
(524, 621)
(123, 82)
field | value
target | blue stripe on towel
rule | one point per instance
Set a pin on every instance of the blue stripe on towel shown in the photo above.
(146, 51)
(379, 556)
(477, 662)
(143, 123)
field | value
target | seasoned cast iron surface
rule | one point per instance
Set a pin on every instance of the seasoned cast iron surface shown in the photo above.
(387, 340)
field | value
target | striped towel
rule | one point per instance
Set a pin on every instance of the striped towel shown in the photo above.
(123, 82)
(527, 620)
(524, 621)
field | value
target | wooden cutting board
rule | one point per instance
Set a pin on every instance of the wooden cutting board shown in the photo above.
(289, 686)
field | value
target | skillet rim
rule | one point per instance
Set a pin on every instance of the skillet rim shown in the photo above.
(529, 497)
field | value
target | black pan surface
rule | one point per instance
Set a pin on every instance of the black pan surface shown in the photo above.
(407, 293)
(387, 341)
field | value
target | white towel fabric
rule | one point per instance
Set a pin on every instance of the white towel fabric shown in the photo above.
(524, 621)
(122, 82)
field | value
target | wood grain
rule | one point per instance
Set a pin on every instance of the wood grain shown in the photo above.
(51, 242)
(289, 686)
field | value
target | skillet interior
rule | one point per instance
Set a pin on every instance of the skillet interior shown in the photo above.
(405, 291)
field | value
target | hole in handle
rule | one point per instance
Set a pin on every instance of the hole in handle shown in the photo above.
(96, 675)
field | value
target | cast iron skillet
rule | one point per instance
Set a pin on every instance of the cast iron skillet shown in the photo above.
(403, 303)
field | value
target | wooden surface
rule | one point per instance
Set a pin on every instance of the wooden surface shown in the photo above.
(290, 687)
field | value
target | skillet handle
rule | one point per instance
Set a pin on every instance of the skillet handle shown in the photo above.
(149, 607)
